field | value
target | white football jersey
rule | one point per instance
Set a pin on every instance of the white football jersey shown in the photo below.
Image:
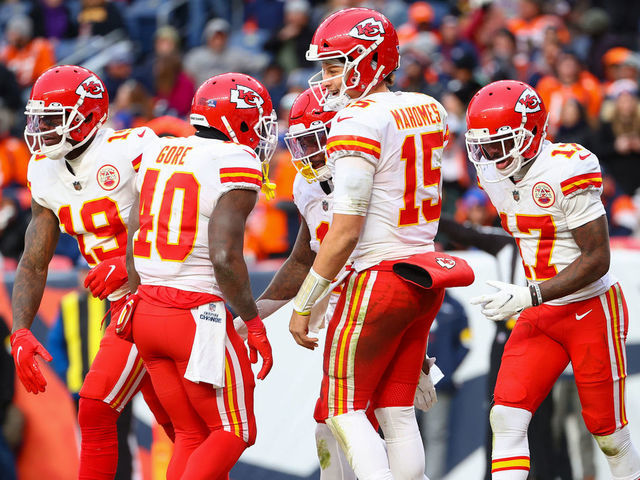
(180, 182)
(403, 135)
(93, 203)
(560, 192)
(315, 206)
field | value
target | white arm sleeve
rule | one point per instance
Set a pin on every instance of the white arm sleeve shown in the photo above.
(352, 184)
(582, 208)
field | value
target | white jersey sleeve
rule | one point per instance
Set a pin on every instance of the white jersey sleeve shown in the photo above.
(581, 188)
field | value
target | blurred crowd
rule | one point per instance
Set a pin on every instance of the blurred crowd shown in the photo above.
(582, 56)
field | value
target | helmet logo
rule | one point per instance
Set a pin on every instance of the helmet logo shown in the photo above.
(368, 29)
(529, 102)
(245, 97)
(91, 87)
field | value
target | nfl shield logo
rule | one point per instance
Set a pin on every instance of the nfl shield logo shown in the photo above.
(325, 205)
(516, 195)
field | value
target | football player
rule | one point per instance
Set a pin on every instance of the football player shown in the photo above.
(81, 177)
(573, 310)
(187, 231)
(306, 140)
(384, 151)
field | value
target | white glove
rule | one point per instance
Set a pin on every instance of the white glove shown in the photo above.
(241, 327)
(426, 392)
(505, 303)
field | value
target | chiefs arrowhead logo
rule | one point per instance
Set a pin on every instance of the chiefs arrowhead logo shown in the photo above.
(529, 102)
(245, 97)
(446, 262)
(91, 87)
(368, 29)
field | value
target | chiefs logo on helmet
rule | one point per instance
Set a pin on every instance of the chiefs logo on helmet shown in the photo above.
(91, 87)
(528, 102)
(368, 29)
(244, 97)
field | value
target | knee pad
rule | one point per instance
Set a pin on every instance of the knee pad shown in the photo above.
(621, 455)
(96, 413)
(509, 421)
(403, 441)
(333, 463)
(361, 444)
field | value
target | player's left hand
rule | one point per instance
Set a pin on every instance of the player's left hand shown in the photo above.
(299, 328)
(426, 392)
(508, 301)
(106, 277)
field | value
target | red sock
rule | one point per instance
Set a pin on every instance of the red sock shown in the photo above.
(215, 457)
(99, 447)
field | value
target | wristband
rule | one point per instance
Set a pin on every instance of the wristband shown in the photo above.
(313, 287)
(536, 295)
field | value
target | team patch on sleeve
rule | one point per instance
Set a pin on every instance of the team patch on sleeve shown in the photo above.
(352, 143)
(241, 175)
(581, 182)
(136, 163)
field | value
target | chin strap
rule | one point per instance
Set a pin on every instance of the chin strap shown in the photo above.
(268, 187)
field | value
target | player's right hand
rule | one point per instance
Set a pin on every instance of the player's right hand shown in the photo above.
(425, 396)
(107, 277)
(259, 343)
(24, 348)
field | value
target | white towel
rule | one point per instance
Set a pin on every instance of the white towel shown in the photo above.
(436, 374)
(206, 362)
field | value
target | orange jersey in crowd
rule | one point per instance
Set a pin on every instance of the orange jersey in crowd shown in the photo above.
(30, 61)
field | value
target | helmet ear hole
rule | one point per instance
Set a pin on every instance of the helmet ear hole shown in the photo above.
(244, 127)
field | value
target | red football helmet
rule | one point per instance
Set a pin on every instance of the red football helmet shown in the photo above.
(365, 41)
(307, 136)
(66, 103)
(239, 106)
(505, 120)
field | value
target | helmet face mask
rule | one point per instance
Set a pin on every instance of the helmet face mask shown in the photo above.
(503, 150)
(267, 131)
(308, 149)
(322, 81)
